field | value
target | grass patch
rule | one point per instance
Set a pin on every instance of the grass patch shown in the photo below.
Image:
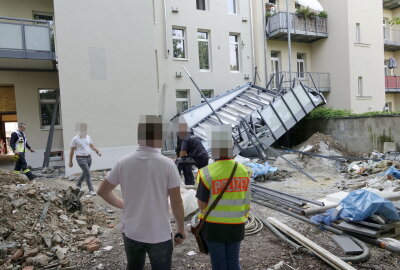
(329, 113)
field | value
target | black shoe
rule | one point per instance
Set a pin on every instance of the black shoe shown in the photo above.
(30, 176)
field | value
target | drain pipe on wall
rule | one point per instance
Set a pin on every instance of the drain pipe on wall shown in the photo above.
(252, 37)
(166, 30)
(264, 27)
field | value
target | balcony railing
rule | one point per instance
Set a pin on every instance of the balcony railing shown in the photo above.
(316, 80)
(302, 29)
(391, 4)
(391, 39)
(27, 39)
(392, 84)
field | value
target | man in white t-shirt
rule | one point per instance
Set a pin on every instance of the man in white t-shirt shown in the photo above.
(147, 179)
(82, 145)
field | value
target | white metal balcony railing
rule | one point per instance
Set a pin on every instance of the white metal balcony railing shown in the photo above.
(391, 38)
(298, 25)
(315, 80)
(28, 39)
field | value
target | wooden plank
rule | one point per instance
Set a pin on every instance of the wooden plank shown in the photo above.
(347, 245)
(322, 253)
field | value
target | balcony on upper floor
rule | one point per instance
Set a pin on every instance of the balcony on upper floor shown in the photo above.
(391, 39)
(319, 81)
(26, 44)
(391, 4)
(392, 84)
(302, 29)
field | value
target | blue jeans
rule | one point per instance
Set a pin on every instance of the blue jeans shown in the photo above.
(85, 163)
(224, 256)
(160, 254)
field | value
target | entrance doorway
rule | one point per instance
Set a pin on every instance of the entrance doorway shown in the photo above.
(8, 117)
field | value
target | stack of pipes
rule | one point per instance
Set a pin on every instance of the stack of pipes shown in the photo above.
(284, 200)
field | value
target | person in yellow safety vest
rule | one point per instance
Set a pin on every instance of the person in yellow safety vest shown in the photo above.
(223, 229)
(19, 144)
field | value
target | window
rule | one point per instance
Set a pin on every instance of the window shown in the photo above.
(178, 42)
(232, 8)
(204, 50)
(388, 107)
(387, 70)
(360, 86)
(297, 6)
(275, 68)
(43, 16)
(201, 4)
(47, 102)
(182, 100)
(385, 29)
(358, 33)
(234, 52)
(208, 93)
(301, 65)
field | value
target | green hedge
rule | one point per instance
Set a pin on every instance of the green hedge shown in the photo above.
(329, 113)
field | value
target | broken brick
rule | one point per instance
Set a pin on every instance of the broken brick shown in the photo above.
(17, 255)
(28, 267)
(93, 247)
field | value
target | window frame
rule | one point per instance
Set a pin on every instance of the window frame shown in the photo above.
(187, 99)
(208, 98)
(358, 33)
(49, 101)
(207, 32)
(235, 6)
(360, 86)
(184, 42)
(205, 5)
(274, 60)
(235, 43)
(302, 62)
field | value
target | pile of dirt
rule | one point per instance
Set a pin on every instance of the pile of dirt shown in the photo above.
(313, 144)
(8, 178)
(36, 230)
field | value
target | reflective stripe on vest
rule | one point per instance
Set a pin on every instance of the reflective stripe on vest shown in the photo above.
(21, 143)
(235, 202)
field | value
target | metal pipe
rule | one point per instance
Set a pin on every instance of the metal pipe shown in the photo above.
(293, 196)
(202, 95)
(24, 20)
(166, 30)
(289, 40)
(280, 196)
(265, 43)
(291, 210)
(278, 201)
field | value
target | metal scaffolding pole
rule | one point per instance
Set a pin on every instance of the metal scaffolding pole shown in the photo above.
(289, 26)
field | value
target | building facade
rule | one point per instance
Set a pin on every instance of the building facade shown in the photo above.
(339, 51)
(111, 63)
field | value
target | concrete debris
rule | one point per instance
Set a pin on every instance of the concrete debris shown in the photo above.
(277, 266)
(28, 243)
(19, 202)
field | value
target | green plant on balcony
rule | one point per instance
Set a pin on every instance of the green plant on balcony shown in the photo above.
(303, 12)
(270, 10)
(323, 14)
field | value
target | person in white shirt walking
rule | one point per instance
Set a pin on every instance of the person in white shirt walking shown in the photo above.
(82, 145)
(147, 179)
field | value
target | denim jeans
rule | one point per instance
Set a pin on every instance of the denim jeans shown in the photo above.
(224, 256)
(160, 254)
(85, 163)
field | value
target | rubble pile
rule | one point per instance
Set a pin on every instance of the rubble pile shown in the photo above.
(36, 229)
(326, 145)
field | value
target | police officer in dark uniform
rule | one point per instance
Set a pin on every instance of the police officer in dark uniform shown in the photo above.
(190, 147)
(19, 144)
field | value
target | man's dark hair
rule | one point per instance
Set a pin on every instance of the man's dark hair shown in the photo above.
(150, 129)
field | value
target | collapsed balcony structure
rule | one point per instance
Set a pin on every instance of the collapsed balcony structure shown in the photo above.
(258, 116)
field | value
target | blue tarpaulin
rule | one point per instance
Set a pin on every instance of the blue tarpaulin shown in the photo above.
(393, 172)
(260, 169)
(357, 206)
